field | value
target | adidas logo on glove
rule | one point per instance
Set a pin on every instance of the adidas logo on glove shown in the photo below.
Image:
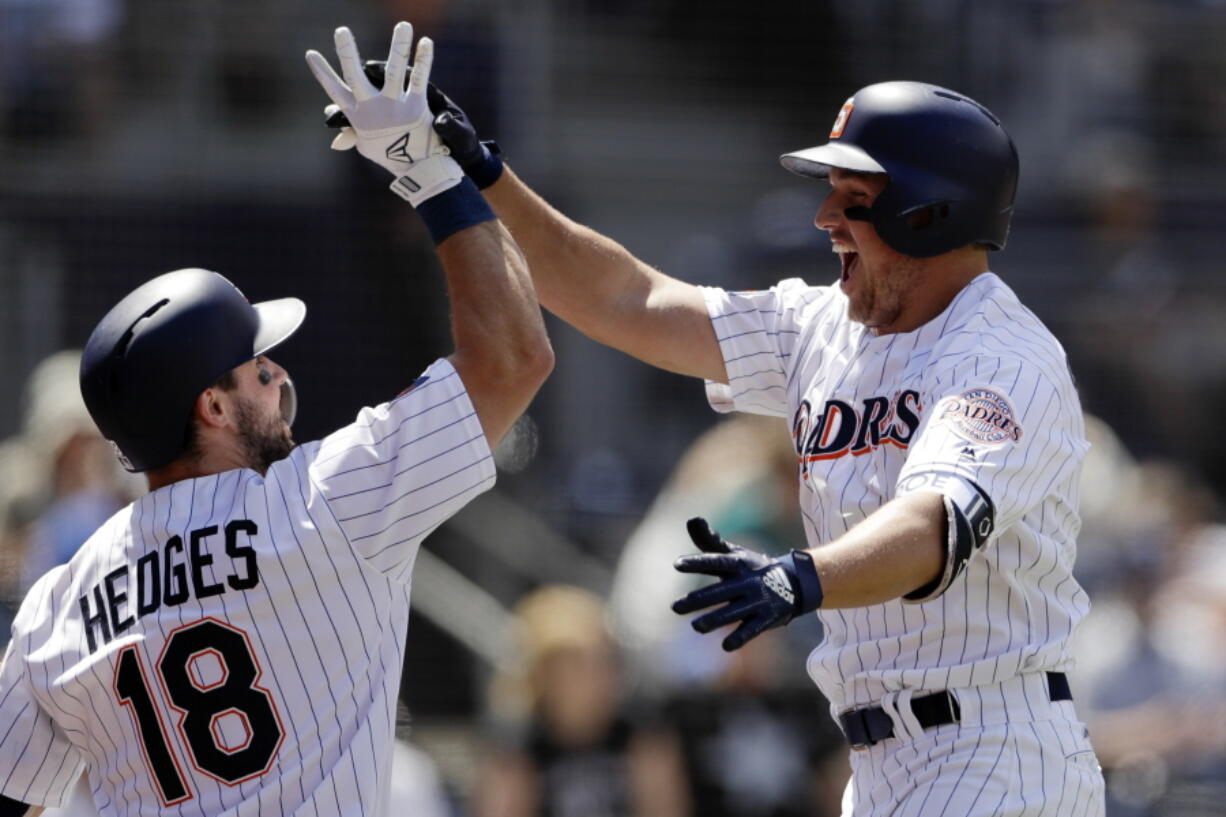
(777, 580)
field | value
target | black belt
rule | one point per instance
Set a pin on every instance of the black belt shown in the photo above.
(870, 725)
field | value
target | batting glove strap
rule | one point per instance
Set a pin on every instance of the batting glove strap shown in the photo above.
(456, 208)
(488, 169)
(421, 181)
(805, 582)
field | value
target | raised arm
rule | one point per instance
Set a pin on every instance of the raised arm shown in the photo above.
(600, 288)
(583, 277)
(502, 352)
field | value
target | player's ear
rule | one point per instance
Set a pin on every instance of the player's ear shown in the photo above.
(212, 408)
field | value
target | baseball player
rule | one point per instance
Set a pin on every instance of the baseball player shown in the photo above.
(938, 438)
(231, 643)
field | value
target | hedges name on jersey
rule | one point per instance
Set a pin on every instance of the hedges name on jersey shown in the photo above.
(240, 638)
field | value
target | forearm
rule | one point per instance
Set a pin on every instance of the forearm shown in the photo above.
(600, 288)
(897, 549)
(580, 275)
(501, 348)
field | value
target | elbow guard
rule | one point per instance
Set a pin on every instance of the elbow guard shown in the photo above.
(970, 519)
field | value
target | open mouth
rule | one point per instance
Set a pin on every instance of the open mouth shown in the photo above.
(850, 259)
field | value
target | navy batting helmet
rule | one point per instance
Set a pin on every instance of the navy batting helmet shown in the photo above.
(943, 152)
(153, 354)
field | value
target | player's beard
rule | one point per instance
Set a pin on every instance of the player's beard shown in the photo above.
(265, 440)
(884, 291)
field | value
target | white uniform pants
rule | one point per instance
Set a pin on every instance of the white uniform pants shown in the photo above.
(1015, 753)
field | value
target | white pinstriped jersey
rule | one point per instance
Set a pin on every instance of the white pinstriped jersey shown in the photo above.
(233, 644)
(982, 391)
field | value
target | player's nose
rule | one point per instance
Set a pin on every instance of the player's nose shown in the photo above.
(829, 215)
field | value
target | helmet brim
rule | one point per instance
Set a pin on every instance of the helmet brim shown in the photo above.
(278, 320)
(817, 161)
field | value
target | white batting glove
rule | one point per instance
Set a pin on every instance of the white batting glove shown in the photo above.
(345, 139)
(392, 127)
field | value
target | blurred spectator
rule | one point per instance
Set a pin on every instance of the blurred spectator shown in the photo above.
(756, 746)
(59, 480)
(756, 743)
(571, 748)
(741, 475)
(417, 789)
(1150, 674)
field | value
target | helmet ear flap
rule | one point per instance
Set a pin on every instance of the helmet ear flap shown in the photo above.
(926, 230)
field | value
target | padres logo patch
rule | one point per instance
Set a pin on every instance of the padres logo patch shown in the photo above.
(980, 416)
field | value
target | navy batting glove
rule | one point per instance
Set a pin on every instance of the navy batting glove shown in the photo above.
(480, 161)
(758, 591)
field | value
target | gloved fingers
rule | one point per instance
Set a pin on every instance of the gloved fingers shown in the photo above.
(729, 613)
(376, 72)
(439, 102)
(708, 596)
(397, 61)
(351, 66)
(711, 564)
(705, 537)
(334, 117)
(422, 61)
(333, 86)
(345, 140)
(751, 629)
(456, 134)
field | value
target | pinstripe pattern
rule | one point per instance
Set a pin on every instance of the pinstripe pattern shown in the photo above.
(1019, 766)
(339, 523)
(791, 351)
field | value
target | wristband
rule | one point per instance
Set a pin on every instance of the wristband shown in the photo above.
(808, 585)
(453, 210)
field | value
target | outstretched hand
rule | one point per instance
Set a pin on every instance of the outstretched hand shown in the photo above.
(756, 590)
(391, 124)
(479, 160)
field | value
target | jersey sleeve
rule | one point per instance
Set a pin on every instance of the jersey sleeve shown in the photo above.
(38, 764)
(1011, 427)
(402, 468)
(757, 334)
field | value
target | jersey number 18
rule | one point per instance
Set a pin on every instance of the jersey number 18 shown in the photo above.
(208, 674)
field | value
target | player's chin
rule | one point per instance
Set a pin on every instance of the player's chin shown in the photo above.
(287, 445)
(859, 306)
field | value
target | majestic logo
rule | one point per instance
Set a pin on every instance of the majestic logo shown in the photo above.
(840, 121)
(398, 151)
(980, 416)
(842, 429)
(778, 582)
